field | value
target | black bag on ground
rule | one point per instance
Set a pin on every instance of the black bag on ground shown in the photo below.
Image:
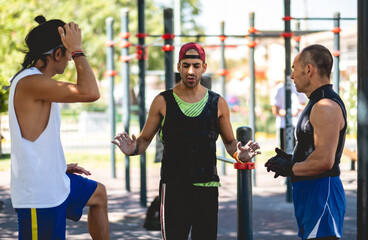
(152, 221)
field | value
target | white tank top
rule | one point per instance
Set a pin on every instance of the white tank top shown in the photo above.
(38, 178)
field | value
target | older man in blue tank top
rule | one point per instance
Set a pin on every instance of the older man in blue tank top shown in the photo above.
(319, 197)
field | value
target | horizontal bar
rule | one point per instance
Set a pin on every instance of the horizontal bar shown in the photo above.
(227, 160)
(259, 34)
(328, 19)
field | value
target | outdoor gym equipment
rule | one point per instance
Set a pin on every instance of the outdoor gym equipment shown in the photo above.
(287, 34)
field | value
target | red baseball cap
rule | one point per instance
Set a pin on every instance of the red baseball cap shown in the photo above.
(195, 46)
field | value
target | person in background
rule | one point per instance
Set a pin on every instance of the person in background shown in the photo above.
(298, 101)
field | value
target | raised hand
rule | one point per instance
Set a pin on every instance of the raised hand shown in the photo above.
(248, 151)
(126, 144)
(71, 36)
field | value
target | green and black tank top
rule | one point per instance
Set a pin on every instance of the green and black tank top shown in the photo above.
(189, 132)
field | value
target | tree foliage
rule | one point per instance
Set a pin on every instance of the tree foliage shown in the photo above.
(17, 19)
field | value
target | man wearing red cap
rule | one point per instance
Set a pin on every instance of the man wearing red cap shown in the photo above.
(189, 117)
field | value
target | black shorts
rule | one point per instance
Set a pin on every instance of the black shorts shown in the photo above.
(187, 207)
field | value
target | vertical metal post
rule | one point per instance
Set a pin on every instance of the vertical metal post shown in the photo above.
(289, 187)
(297, 43)
(252, 77)
(125, 76)
(362, 208)
(142, 97)
(169, 55)
(110, 69)
(244, 182)
(177, 27)
(336, 53)
(223, 81)
(288, 117)
(352, 165)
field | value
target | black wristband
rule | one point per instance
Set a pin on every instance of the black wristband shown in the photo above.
(78, 54)
(135, 152)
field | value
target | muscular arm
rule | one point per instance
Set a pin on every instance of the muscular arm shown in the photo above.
(157, 109)
(86, 89)
(129, 145)
(34, 94)
(244, 153)
(44, 88)
(226, 129)
(327, 121)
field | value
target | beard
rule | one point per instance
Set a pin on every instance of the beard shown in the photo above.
(191, 84)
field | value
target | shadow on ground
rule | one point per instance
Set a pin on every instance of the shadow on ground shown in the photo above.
(273, 217)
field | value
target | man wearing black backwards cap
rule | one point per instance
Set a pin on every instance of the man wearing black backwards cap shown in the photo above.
(44, 189)
(189, 117)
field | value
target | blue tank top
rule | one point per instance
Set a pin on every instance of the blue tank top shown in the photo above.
(305, 137)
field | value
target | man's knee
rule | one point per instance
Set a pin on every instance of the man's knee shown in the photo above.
(99, 197)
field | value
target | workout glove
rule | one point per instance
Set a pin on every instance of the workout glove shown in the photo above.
(280, 164)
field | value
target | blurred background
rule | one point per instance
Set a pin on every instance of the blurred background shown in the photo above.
(86, 126)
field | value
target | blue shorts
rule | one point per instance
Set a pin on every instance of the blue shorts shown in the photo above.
(50, 223)
(320, 206)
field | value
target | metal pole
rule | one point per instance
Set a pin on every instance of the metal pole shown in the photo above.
(252, 76)
(222, 79)
(336, 53)
(169, 71)
(362, 208)
(169, 56)
(125, 76)
(141, 96)
(177, 27)
(297, 44)
(244, 184)
(288, 117)
(110, 69)
(289, 187)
